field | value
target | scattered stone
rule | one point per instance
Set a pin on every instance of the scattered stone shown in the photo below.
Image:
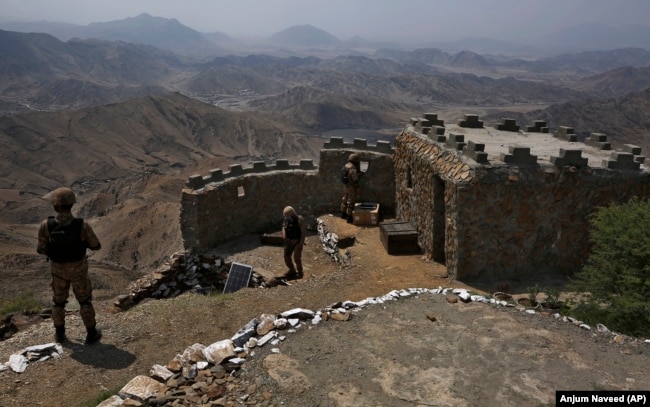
(212, 375)
(299, 313)
(341, 316)
(17, 363)
(219, 351)
(113, 401)
(501, 296)
(266, 338)
(160, 372)
(266, 324)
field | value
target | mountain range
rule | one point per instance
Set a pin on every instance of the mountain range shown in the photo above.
(171, 35)
(125, 121)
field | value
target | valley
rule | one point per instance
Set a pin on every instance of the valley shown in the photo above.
(125, 125)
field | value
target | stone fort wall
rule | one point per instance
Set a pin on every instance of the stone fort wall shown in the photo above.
(503, 222)
(221, 206)
(483, 220)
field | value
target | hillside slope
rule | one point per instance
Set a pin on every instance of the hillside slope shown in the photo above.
(128, 162)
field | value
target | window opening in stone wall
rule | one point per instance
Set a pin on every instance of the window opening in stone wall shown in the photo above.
(439, 216)
(240, 191)
(363, 165)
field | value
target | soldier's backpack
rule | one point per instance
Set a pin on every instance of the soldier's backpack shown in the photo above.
(292, 228)
(65, 244)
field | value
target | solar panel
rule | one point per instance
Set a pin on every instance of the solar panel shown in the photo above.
(238, 277)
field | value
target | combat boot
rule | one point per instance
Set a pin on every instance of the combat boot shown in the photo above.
(93, 335)
(59, 335)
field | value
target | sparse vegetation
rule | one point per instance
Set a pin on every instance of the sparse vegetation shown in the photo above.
(533, 292)
(615, 282)
(104, 395)
(552, 299)
(26, 303)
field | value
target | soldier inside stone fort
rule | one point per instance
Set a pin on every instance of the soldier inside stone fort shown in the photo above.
(294, 232)
(64, 240)
(350, 175)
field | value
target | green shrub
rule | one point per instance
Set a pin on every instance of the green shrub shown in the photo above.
(552, 298)
(26, 303)
(615, 282)
(533, 292)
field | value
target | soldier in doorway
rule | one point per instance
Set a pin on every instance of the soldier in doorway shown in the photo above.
(350, 175)
(64, 240)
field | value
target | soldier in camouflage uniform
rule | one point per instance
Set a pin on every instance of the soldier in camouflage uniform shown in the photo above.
(351, 174)
(64, 240)
(294, 232)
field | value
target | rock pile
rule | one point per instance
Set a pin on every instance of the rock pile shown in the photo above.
(182, 273)
(212, 375)
(37, 353)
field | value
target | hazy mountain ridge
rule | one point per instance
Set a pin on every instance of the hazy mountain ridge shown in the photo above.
(45, 73)
(305, 36)
(320, 111)
(163, 33)
(172, 35)
(617, 82)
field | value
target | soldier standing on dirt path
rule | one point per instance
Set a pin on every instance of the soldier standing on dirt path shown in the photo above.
(351, 172)
(64, 240)
(294, 232)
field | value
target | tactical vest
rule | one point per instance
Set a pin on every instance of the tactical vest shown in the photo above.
(292, 228)
(65, 244)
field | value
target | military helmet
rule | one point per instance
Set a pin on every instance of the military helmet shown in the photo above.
(289, 211)
(354, 157)
(62, 197)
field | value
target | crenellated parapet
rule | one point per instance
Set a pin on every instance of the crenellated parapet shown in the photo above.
(539, 126)
(621, 160)
(198, 181)
(519, 155)
(599, 141)
(471, 121)
(248, 199)
(358, 144)
(566, 133)
(476, 151)
(507, 125)
(503, 204)
(569, 158)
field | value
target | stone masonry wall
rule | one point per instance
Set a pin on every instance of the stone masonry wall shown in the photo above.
(223, 206)
(536, 219)
(428, 177)
(502, 222)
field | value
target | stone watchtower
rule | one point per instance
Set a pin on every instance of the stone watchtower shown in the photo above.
(499, 204)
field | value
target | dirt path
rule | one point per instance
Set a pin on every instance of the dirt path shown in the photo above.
(389, 354)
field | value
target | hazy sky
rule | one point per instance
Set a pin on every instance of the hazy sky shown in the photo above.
(372, 19)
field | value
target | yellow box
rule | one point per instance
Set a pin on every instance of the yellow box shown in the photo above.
(366, 214)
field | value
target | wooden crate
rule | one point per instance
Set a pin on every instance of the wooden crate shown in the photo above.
(365, 214)
(272, 239)
(399, 237)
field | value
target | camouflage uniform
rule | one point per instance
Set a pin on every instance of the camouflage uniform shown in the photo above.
(351, 189)
(74, 273)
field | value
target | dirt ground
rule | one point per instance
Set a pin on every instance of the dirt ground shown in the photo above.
(420, 350)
